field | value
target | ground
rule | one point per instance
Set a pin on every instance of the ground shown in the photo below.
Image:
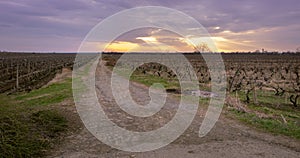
(229, 138)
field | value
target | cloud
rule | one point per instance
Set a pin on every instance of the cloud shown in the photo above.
(49, 23)
(150, 40)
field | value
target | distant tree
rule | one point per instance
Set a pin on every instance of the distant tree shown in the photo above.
(298, 50)
(257, 51)
(202, 47)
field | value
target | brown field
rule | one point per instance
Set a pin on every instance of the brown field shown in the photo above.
(261, 116)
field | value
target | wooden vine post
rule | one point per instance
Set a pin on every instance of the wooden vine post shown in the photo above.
(17, 77)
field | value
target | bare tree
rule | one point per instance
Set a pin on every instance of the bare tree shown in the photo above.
(202, 47)
(298, 50)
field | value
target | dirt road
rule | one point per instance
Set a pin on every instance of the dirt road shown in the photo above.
(227, 139)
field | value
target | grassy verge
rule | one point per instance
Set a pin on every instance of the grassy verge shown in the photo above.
(148, 80)
(29, 123)
(282, 118)
(275, 126)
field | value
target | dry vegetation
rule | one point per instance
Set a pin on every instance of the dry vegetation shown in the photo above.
(246, 73)
(262, 89)
(28, 71)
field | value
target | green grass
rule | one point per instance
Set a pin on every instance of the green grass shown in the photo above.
(50, 122)
(148, 80)
(266, 98)
(275, 107)
(63, 88)
(168, 83)
(275, 126)
(29, 124)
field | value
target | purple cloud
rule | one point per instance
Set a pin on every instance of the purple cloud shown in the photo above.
(36, 25)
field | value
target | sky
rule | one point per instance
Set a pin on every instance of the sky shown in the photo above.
(234, 25)
(149, 40)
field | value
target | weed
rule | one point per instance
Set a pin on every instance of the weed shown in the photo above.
(28, 123)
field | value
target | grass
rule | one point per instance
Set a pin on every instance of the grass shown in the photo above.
(266, 98)
(148, 80)
(29, 123)
(275, 126)
(274, 106)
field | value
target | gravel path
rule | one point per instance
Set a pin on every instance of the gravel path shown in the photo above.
(227, 139)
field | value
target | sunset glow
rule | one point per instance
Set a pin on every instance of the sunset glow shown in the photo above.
(121, 46)
(234, 26)
(151, 40)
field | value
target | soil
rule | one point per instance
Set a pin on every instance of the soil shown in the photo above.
(65, 73)
(228, 138)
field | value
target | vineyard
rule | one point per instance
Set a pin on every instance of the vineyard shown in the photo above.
(27, 71)
(247, 74)
(277, 73)
(262, 91)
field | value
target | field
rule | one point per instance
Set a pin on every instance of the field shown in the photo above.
(263, 92)
(28, 71)
(35, 121)
(246, 73)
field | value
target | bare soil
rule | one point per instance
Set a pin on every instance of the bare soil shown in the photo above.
(228, 138)
(65, 73)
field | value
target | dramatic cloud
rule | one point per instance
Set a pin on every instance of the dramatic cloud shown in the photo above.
(56, 25)
(149, 40)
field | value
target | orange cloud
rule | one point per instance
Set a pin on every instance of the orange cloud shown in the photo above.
(121, 46)
(150, 40)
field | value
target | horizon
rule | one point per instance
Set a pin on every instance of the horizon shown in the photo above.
(237, 52)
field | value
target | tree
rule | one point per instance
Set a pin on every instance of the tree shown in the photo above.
(202, 47)
(298, 50)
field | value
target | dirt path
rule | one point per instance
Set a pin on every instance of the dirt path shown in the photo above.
(227, 139)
